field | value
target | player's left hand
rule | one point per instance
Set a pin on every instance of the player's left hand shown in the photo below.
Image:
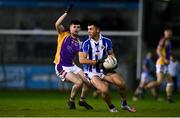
(68, 9)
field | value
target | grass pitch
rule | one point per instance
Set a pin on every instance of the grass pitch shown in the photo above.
(54, 104)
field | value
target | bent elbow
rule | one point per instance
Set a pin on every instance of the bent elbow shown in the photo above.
(56, 25)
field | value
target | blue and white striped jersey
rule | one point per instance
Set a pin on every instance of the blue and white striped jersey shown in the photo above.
(96, 50)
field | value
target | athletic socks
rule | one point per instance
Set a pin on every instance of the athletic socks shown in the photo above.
(111, 106)
(124, 103)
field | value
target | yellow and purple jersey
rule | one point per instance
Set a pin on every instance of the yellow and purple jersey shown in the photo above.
(66, 49)
(166, 49)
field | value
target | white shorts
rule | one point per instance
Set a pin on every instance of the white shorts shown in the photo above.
(90, 75)
(145, 77)
(74, 69)
(162, 68)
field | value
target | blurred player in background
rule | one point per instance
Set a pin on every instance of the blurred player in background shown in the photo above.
(173, 70)
(68, 46)
(164, 49)
(147, 75)
(92, 54)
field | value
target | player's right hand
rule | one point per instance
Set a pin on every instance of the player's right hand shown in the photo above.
(99, 63)
(68, 9)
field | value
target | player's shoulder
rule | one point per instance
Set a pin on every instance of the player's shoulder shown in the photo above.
(161, 42)
(85, 41)
(63, 33)
(106, 39)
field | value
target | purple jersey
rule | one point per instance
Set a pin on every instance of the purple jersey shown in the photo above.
(66, 49)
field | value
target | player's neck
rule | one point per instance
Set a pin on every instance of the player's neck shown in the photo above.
(73, 36)
(96, 38)
(167, 37)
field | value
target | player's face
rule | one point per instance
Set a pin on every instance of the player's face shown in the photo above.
(93, 31)
(74, 29)
(149, 55)
(167, 33)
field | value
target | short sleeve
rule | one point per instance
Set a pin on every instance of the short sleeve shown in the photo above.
(85, 46)
(109, 45)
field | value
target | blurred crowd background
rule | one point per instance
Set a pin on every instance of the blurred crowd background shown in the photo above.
(26, 61)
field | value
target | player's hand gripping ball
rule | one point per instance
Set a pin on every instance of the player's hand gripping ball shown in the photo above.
(110, 62)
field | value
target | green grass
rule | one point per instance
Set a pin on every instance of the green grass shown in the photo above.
(54, 104)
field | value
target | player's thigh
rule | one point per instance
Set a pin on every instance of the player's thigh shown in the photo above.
(169, 79)
(160, 77)
(142, 83)
(99, 84)
(71, 77)
(84, 79)
(114, 78)
(144, 79)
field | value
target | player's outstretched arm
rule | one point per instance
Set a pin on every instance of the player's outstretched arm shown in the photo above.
(58, 25)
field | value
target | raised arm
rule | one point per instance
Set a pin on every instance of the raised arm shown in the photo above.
(58, 25)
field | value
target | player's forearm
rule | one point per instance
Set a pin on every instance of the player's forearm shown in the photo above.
(87, 61)
(83, 59)
(59, 21)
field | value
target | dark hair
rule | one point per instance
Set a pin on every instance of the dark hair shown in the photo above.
(167, 28)
(95, 23)
(75, 22)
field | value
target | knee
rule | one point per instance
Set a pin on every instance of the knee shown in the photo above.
(158, 83)
(79, 83)
(169, 84)
(121, 84)
(86, 87)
